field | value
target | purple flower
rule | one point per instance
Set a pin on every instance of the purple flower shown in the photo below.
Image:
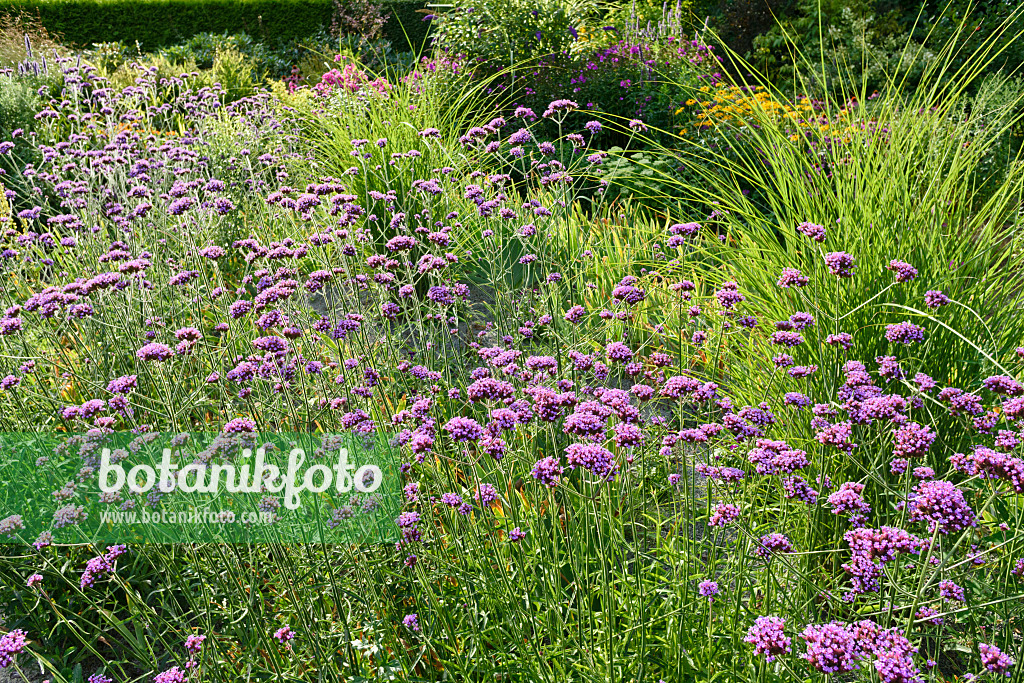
(411, 622)
(815, 232)
(617, 351)
(791, 277)
(463, 429)
(848, 499)
(942, 505)
(839, 435)
(708, 589)
(154, 352)
(547, 471)
(911, 440)
(773, 543)
(194, 644)
(904, 271)
(872, 549)
(486, 494)
(180, 206)
(768, 637)
(724, 514)
(729, 295)
(839, 263)
(239, 425)
(786, 338)
(994, 660)
(123, 384)
(796, 400)
(575, 314)
(904, 333)
(11, 643)
(1003, 384)
(934, 298)
(831, 648)
(560, 106)
(516, 535)
(950, 591)
(172, 675)
(842, 339)
(284, 634)
(592, 457)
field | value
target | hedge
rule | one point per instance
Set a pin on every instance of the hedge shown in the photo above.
(158, 23)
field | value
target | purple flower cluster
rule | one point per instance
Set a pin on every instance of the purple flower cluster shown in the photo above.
(774, 543)
(942, 505)
(769, 638)
(839, 263)
(12, 644)
(904, 333)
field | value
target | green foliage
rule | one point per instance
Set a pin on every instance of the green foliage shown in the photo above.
(648, 13)
(513, 32)
(876, 40)
(378, 56)
(934, 179)
(20, 100)
(638, 176)
(157, 23)
(15, 27)
(109, 56)
(603, 587)
(229, 67)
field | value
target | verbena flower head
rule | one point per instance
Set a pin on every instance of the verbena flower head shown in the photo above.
(812, 230)
(831, 648)
(942, 505)
(194, 644)
(904, 333)
(839, 263)
(773, 543)
(12, 644)
(172, 675)
(724, 514)
(768, 637)
(904, 271)
(154, 352)
(547, 471)
(912, 440)
(935, 299)
(560, 106)
(791, 277)
(708, 589)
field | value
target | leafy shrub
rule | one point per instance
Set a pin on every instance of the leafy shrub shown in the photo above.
(877, 43)
(230, 68)
(638, 176)
(159, 23)
(109, 56)
(512, 33)
(645, 80)
(362, 18)
(634, 18)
